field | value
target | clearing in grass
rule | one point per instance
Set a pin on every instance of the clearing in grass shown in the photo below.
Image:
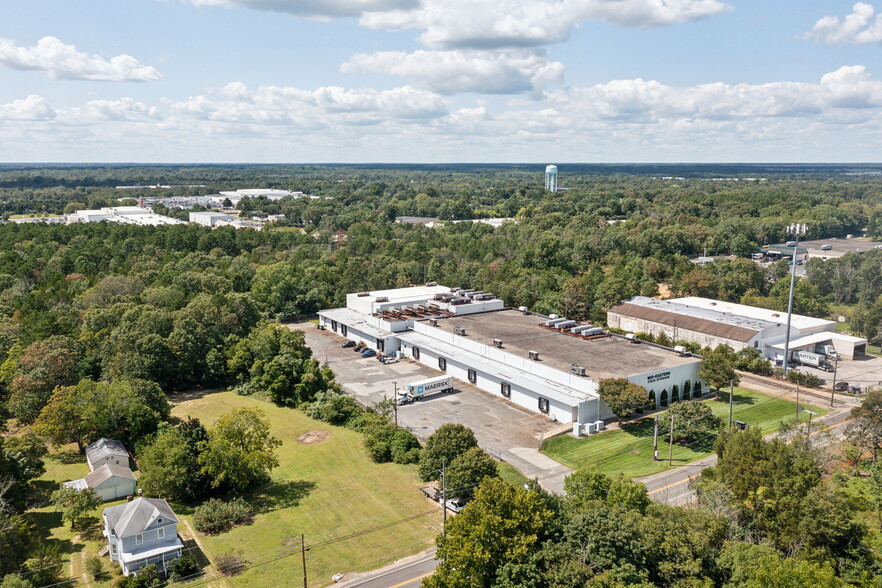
(629, 450)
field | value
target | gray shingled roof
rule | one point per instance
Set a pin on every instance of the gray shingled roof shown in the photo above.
(138, 516)
(102, 448)
(107, 471)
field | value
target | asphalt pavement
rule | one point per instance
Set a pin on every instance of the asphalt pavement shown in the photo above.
(405, 573)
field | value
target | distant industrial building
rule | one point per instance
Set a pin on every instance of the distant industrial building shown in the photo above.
(431, 221)
(128, 215)
(713, 322)
(549, 365)
(209, 218)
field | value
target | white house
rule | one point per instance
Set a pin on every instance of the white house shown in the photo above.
(110, 482)
(142, 532)
(106, 451)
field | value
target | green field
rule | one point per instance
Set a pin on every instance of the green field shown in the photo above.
(511, 475)
(356, 515)
(327, 492)
(629, 450)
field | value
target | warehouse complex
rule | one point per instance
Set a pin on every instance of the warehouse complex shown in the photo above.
(549, 365)
(713, 322)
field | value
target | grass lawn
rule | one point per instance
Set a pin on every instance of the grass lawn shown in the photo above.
(327, 491)
(629, 450)
(511, 475)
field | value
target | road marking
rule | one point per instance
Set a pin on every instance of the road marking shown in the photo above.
(672, 485)
(405, 583)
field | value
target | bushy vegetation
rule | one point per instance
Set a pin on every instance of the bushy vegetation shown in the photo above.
(213, 515)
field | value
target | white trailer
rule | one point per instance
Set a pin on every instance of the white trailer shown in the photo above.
(811, 359)
(417, 390)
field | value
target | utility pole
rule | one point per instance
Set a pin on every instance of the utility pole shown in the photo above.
(655, 440)
(671, 445)
(833, 389)
(443, 496)
(795, 229)
(303, 555)
(395, 402)
(731, 395)
(797, 401)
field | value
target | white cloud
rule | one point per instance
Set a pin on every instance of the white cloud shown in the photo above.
(63, 61)
(123, 110)
(862, 26)
(488, 24)
(315, 8)
(32, 108)
(328, 105)
(838, 117)
(453, 72)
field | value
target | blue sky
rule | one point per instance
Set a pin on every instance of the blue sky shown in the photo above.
(440, 81)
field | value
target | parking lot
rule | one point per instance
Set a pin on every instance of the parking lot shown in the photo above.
(506, 431)
(865, 371)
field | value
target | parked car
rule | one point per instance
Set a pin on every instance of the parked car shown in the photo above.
(854, 389)
(387, 359)
(841, 387)
(348, 344)
(368, 353)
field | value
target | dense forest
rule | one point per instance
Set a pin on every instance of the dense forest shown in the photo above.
(104, 319)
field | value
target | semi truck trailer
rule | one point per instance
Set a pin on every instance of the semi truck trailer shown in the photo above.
(417, 390)
(811, 359)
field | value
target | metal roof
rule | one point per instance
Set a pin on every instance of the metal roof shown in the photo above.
(106, 472)
(103, 448)
(743, 311)
(680, 316)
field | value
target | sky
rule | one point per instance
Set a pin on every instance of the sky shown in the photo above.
(404, 81)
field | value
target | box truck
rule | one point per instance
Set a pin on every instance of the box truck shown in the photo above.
(417, 390)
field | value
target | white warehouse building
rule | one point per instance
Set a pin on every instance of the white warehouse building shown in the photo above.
(713, 322)
(534, 361)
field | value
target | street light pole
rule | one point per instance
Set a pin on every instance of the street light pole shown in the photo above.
(795, 229)
(731, 394)
(833, 390)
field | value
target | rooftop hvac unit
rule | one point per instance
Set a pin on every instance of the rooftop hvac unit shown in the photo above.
(364, 294)
(554, 321)
(473, 293)
(460, 300)
(459, 331)
(382, 299)
(592, 331)
(433, 323)
(523, 309)
(578, 370)
(579, 328)
(681, 350)
(553, 316)
(565, 324)
(631, 337)
(534, 355)
(485, 296)
(431, 283)
(497, 343)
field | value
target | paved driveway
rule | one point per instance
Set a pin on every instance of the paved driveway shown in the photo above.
(505, 430)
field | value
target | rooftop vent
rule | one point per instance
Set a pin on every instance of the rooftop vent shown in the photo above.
(713, 303)
(364, 294)
(459, 331)
(382, 299)
(433, 323)
(497, 343)
(431, 283)
(578, 370)
(776, 315)
(523, 309)
(534, 355)
(632, 338)
(553, 316)
(681, 350)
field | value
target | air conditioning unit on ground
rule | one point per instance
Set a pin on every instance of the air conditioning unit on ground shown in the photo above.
(459, 331)
(579, 370)
(598, 426)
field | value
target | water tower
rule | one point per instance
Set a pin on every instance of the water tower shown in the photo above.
(551, 178)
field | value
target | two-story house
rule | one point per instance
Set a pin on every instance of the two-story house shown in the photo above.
(106, 451)
(142, 532)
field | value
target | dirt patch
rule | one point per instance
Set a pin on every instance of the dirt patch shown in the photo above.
(313, 437)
